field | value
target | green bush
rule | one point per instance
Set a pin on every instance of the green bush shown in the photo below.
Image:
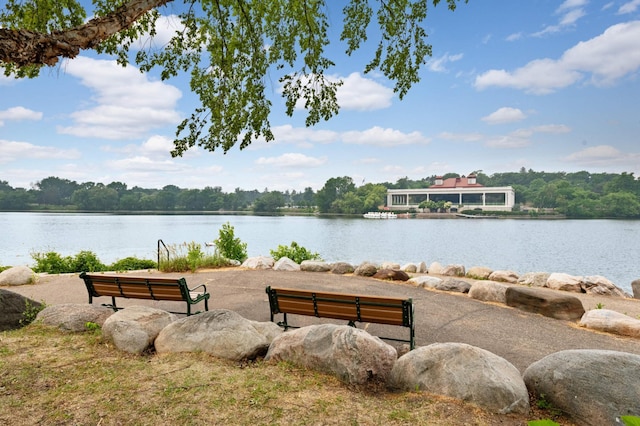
(294, 252)
(86, 261)
(52, 263)
(132, 264)
(190, 257)
(229, 246)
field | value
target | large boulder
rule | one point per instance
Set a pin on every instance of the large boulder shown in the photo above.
(366, 269)
(409, 268)
(504, 276)
(314, 266)
(489, 291)
(285, 264)
(465, 372)
(74, 317)
(18, 275)
(422, 268)
(565, 282)
(611, 322)
(435, 268)
(453, 271)
(596, 284)
(341, 268)
(349, 353)
(391, 275)
(545, 302)
(454, 285)
(220, 333)
(134, 329)
(16, 310)
(635, 287)
(534, 279)
(259, 262)
(479, 272)
(595, 387)
(425, 281)
(390, 265)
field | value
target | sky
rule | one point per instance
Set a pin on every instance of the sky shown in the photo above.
(545, 85)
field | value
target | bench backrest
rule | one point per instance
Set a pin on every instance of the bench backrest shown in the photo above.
(136, 287)
(351, 307)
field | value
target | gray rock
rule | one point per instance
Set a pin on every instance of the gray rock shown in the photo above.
(534, 279)
(595, 387)
(479, 272)
(349, 353)
(409, 268)
(366, 269)
(18, 275)
(390, 265)
(453, 271)
(489, 291)
(220, 333)
(465, 372)
(341, 268)
(259, 262)
(596, 284)
(314, 266)
(134, 329)
(14, 310)
(545, 302)
(504, 277)
(454, 285)
(424, 281)
(74, 317)
(611, 322)
(391, 274)
(565, 282)
(635, 287)
(435, 268)
(422, 268)
(286, 264)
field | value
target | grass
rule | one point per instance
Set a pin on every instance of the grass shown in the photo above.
(50, 377)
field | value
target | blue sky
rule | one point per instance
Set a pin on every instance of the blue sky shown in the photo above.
(545, 85)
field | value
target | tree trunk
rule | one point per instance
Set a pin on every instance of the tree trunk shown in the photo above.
(24, 47)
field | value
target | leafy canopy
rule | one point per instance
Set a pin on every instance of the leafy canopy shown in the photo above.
(230, 49)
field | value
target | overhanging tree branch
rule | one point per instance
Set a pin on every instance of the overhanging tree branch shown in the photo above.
(24, 47)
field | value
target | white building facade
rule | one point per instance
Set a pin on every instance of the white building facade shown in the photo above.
(463, 193)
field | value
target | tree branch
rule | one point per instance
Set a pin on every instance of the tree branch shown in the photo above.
(24, 47)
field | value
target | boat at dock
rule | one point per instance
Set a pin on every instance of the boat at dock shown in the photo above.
(380, 215)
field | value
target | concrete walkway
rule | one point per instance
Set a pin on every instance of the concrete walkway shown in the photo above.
(520, 337)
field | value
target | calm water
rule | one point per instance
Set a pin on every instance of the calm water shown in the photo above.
(594, 247)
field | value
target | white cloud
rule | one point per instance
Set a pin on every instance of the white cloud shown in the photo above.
(303, 135)
(166, 28)
(128, 104)
(605, 156)
(607, 57)
(629, 7)
(571, 11)
(19, 113)
(13, 151)
(514, 36)
(143, 164)
(378, 136)
(461, 137)
(439, 64)
(292, 160)
(363, 94)
(504, 115)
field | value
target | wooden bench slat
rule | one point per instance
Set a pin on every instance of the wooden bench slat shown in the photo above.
(150, 288)
(350, 307)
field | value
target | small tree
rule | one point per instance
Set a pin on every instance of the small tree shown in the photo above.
(294, 252)
(229, 246)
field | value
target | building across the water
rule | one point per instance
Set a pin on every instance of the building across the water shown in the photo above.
(464, 193)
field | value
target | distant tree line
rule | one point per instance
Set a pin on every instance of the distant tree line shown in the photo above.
(579, 195)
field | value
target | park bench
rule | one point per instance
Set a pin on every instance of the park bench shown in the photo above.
(350, 307)
(152, 288)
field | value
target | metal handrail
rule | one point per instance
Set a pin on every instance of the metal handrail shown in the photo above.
(161, 243)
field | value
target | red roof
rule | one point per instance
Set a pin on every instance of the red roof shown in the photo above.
(460, 182)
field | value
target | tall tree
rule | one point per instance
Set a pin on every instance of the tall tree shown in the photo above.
(230, 48)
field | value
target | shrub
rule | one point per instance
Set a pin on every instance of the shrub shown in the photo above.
(52, 263)
(86, 261)
(229, 246)
(132, 264)
(189, 257)
(294, 252)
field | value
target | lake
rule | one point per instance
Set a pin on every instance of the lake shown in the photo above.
(578, 247)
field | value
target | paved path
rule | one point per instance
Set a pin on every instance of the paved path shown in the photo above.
(520, 337)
